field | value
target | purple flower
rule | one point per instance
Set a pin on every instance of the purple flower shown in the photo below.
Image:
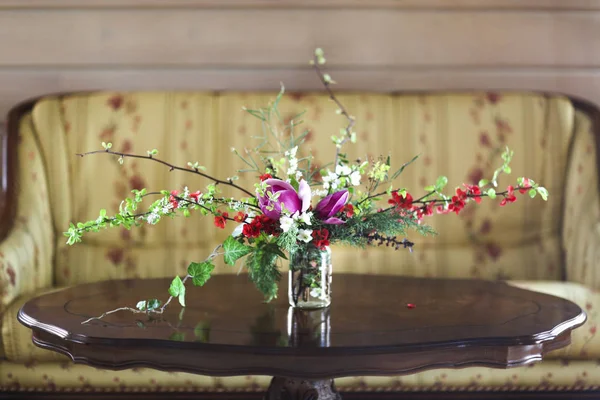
(331, 205)
(292, 201)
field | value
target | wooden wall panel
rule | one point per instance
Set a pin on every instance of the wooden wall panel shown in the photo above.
(397, 4)
(274, 38)
(380, 45)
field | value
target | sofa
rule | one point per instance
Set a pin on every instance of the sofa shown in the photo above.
(551, 247)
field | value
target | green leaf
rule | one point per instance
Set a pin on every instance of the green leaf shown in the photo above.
(181, 296)
(441, 182)
(200, 272)
(153, 304)
(507, 169)
(492, 193)
(178, 336)
(532, 193)
(141, 305)
(430, 188)
(176, 287)
(274, 249)
(543, 192)
(234, 250)
(397, 173)
(263, 271)
(202, 332)
(483, 182)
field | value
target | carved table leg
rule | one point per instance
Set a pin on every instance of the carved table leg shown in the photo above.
(301, 389)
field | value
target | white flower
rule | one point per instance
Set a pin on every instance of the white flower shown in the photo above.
(286, 223)
(152, 218)
(355, 178)
(238, 230)
(319, 192)
(298, 175)
(331, 180)
(293, 166)
(304, 235)
(292, 152)
(305, 217)
(342, 170)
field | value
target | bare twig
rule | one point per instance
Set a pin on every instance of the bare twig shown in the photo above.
(161, 310)
(351, 121)
(172, 167)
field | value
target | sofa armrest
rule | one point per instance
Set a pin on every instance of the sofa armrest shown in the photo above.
(27, 241)
(581, 219)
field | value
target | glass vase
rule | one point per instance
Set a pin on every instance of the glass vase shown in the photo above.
(309, 285)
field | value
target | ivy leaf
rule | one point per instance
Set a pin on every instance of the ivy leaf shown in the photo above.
(200, 272)
(176, 287)
(152, 304)
(202, 332)
(178, 336)
(148, 305)
(181, 296)
(234, 250)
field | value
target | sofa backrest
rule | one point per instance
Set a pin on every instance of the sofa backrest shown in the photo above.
(460, 135)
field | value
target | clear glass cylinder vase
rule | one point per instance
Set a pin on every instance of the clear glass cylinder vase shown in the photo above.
(309, 285)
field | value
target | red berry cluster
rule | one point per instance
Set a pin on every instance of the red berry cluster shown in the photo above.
(423, 211)
(195, 196)
(173, 198)
(321, 238)
(240, 217)
(260, 223)
(220, 220)
(401, 202)
(348, 209)
(510, 196)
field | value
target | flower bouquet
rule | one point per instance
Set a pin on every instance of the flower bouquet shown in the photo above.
(296, 211)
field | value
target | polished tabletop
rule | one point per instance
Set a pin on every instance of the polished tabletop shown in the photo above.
(376, 325)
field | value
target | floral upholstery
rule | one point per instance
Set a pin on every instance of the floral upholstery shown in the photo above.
(581, 235)
(460, 135)
(26, 254)
(457, 134)
(65, 376)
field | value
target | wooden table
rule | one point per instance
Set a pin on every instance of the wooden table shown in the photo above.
(370, 329)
